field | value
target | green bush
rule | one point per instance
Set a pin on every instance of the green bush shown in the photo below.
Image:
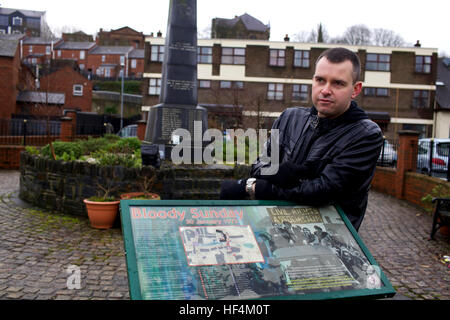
(92, 145)
(117, 159)
(131, 87)
(32, 150)
(71, 149)
(125, 145)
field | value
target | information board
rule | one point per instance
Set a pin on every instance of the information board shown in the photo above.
(214, 250)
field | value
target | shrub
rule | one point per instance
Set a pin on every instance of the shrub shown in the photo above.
(117, 159)
(125, 145)
(32, 150)
(71, 149)
(92, 145)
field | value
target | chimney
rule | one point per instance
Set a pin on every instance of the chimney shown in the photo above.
(417, 45)
(286, 38)
(159, 34)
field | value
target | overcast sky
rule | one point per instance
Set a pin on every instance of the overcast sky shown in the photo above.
(427, 21)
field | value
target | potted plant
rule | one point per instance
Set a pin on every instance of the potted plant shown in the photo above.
(145, 193)
(102, 209)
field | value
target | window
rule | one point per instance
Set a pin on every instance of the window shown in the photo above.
(34, 23)
(82, 55)
(277, 58)
(2, 31)
(301, 58)
(47, 50)
(275, 91)
(204, 55)
(103, 58)
(154, 88)
(300, 92)
(233, 55)
(17, 21)
(59, 53)
(122, 60)
(206, 84)
(78, 90)
(133, 63)
(420, 99)
(423, 64)
(231, 85)
(4, 20)
(376, 92)
(378, 62)
(157, 53)
(30, 49)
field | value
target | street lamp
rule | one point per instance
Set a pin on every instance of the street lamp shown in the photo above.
(122, 64)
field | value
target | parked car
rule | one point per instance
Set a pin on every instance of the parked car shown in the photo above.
(388, 155)
(128, 131)
(439, 158)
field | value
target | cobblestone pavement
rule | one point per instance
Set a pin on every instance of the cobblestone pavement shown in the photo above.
(37, 247)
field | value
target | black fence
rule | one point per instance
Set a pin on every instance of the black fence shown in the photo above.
(388, 155)
(28, 131)
(433, 157)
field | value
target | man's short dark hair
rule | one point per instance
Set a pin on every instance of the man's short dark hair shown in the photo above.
(338, 55)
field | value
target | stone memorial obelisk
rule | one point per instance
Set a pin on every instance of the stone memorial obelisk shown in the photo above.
(178, 107)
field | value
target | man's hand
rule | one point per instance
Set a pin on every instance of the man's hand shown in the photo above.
(288, 175)
(233, 190)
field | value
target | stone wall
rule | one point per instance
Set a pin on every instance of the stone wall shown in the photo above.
(62, 186)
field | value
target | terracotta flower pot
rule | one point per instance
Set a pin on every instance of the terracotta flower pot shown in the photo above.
(102, 214)
(134, 195)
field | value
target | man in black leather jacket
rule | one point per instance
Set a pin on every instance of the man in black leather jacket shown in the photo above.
(328, 153)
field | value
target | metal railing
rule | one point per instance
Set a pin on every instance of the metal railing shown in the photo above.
(433, 158)
(388, 156)
(26, 132)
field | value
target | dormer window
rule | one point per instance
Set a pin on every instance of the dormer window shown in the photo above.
(17, 21)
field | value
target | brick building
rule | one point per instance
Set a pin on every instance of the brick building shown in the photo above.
(242, 27)
(77, 51)
(9, 76)
(136, 63)
(125, 36)
(38, 50)
(264, 78)
(106, 61)
(20, 21)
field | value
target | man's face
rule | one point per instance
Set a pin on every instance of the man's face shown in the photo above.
(333, 88)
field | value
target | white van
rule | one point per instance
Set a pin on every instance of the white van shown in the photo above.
(439, 159)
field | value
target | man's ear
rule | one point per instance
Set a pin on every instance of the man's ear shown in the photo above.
(357, 87)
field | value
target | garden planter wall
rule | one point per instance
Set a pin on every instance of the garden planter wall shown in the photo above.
(62, 186)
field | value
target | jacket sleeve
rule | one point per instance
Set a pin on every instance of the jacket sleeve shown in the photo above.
(260, 162)
(350, 171)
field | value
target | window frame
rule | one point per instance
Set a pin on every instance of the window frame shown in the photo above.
(422, 101)
(302, 59)
(207, 82)
(236, 59)
(378, 62)
(156, 86)
(301, 93)
(277, 57)
(158, 53)
(82, 55)
(201, 54)
(376, 92)
(77, 92)
(423, 64)
(16, 24)
(277, 88)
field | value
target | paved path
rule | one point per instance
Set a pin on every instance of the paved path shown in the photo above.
(37, 247)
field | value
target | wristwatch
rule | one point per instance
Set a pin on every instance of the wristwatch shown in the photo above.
(249, 187)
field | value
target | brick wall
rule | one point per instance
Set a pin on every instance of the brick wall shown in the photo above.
(10, 157)
(62, 81)
(62, 186)
(9, 80)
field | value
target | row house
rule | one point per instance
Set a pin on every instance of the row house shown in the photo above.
(109, 62)
(18, 21)
(124, 36)
(60, 88)
(38, 51)
(77, 51)
(266, 77)
(9, 76)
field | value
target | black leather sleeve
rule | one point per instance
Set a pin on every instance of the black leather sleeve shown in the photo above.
(351, 171)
